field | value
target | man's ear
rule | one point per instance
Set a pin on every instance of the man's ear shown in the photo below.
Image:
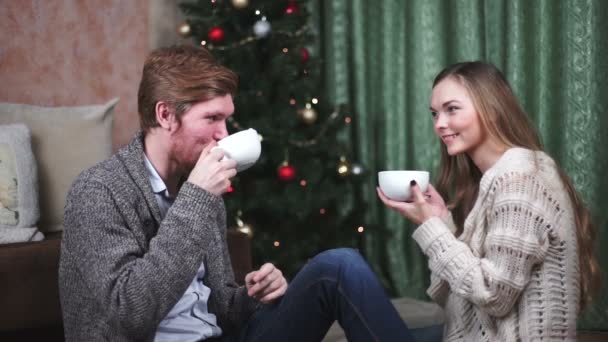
(165, 116)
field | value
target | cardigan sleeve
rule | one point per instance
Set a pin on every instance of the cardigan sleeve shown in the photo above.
(135, 285)
(515, 228)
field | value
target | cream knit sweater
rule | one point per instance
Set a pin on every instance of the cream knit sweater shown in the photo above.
(513, 274)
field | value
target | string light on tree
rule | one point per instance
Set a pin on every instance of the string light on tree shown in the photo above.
(243, 227)
(344, 168)
(184, 30)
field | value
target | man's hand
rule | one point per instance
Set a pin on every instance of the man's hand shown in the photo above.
(266, 284)
(211, 172)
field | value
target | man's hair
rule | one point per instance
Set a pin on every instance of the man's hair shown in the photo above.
(181, 76)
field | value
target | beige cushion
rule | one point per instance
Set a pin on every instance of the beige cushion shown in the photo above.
(65, 141)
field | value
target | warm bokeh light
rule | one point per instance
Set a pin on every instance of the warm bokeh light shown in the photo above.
(314, 100)
(322, 211)
(347, 119)
(361, 229)
(277, 244)
(303, 182)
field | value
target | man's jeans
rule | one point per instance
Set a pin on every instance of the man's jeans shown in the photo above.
(335, 285)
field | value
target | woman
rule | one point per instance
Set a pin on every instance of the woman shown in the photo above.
(511, 253)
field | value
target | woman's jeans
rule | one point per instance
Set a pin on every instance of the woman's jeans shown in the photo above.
(335, 285)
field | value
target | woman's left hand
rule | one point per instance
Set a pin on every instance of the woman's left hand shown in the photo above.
(417, 209)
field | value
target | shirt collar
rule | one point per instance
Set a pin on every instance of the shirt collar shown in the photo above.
(158, 186)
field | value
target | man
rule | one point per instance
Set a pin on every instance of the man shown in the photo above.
(144, 253)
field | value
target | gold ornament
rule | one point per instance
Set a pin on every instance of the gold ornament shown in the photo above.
(243, 227)
(240, 4)
(307, 114)
(344, 168)
(184, 30)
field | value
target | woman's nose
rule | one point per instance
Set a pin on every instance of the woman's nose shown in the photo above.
(441, 121)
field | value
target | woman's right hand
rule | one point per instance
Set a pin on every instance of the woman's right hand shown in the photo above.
(421, 207)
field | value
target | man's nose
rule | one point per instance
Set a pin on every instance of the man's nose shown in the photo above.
(221, 131)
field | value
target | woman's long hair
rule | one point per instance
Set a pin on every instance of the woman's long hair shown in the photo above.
(504, 120)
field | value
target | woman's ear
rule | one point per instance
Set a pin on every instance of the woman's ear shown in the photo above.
(165, 116)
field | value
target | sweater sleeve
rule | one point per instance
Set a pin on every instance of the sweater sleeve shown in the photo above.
(136, 285)
(515, 240)
(439, 288)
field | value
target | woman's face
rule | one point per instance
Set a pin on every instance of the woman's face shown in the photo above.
(455, 118)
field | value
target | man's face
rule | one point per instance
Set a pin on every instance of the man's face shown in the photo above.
(203, 123)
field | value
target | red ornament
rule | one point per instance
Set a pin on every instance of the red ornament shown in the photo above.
(286, 172)
(230, 189)
(216, 34)
(305, 55)
(292, 7)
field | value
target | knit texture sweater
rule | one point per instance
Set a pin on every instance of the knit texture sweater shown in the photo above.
(513, 274)
(122, 268)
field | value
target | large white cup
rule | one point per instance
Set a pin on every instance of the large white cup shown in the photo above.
(244, 147)
(395, 184)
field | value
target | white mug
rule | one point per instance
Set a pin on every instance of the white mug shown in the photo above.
(244, 147)
(395, 184)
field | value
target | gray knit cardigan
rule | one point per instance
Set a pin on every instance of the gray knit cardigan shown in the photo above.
(122, 269)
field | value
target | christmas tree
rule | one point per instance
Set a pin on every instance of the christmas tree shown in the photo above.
(299, 199)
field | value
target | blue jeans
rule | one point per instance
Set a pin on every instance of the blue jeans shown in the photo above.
(335, 285)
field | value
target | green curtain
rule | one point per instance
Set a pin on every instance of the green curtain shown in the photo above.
(380, 58)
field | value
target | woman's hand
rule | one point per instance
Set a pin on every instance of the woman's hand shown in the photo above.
(422, 206)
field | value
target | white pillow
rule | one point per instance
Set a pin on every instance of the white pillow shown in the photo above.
(18, 178)
(18, 186)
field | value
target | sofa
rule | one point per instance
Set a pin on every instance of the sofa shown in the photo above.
(59, 143)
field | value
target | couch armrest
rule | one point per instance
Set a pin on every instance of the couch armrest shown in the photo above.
(29, 292)
(239, 247)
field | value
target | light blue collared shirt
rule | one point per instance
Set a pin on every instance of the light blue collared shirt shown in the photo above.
(189, 319)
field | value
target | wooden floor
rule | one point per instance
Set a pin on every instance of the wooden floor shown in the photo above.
(592, 336)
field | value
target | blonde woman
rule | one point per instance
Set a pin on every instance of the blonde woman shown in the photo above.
(510, 253)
